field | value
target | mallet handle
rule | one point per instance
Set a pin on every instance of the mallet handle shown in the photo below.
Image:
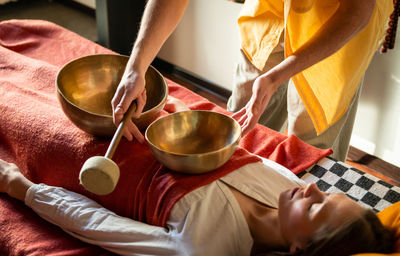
(120, 130)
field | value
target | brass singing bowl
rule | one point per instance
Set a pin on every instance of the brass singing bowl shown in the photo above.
(193, 141)
(85, 87)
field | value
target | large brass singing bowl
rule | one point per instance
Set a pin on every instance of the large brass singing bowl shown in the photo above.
(193, 141)
(85, 87)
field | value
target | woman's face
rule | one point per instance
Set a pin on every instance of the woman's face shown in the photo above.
(302, 212)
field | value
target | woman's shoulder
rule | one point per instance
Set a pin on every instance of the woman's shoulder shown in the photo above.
(263, 181)
(211, 210)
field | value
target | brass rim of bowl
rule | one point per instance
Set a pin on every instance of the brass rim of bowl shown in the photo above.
(92, 113)
(208, 153)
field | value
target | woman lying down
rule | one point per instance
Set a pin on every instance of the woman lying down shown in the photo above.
(259, 208)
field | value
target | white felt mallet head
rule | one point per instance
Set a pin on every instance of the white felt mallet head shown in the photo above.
(99, 175)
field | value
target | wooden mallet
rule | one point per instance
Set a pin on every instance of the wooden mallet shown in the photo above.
(100, 174)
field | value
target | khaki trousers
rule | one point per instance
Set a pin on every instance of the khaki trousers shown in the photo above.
(286, 109)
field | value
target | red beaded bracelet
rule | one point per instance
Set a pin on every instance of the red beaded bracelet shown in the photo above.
(392, 27)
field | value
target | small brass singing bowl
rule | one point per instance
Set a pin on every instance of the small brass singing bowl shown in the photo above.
(194, 141)
(86, 86)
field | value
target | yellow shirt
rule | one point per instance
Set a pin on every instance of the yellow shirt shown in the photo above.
(327, 87)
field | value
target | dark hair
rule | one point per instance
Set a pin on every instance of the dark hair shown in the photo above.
(360, 235)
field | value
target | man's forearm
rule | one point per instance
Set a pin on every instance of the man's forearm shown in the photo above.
(350, 18)
(159, 20)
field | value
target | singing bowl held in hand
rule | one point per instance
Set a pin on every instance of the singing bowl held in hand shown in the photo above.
(193, 141)
(86, 86)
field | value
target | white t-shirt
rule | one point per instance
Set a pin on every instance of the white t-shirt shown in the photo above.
(207, 221)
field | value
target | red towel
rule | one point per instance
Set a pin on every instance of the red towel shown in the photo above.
(50, 149)
(22, 232)
(36, 135)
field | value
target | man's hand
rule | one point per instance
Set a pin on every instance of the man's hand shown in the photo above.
(131, 87)
(248, 116)
(159, 20)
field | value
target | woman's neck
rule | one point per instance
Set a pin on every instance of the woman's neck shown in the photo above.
(263, 222)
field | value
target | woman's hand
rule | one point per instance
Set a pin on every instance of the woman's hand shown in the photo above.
(12, 181)
(248, 116)
(131, 87)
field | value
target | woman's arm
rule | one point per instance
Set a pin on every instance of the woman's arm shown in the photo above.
(86, 220)
(351, 17)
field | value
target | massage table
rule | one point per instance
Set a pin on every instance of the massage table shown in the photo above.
(39, 138)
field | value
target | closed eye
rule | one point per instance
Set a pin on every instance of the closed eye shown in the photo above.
(314, 209)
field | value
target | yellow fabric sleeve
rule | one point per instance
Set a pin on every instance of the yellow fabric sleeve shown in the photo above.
(260, 26)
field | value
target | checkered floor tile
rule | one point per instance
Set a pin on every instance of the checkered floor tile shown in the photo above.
(334, 176)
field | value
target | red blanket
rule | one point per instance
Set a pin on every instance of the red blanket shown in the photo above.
(36, 135)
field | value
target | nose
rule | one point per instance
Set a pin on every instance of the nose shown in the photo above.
(312, 189)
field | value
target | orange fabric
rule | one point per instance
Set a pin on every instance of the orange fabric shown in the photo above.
(390, 218)
(37, 136)
(260, 26)
(328, 87)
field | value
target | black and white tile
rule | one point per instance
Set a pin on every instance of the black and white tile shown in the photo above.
(334, 176)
